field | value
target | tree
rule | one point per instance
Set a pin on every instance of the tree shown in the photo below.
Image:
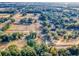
(63, 52)
(66, 37)
(2, 20)
(0, 53)
(31, 39)
(42, 17)
(53, 51)
(5, 53)
(6, 27)
(41, 49)
(28, 51)
(78, 50)
(13, 20)
(31, 42)
(7, 38)
(26, 21)
(73, 50)
(44, 23)
(31, 36)
(13, 49)
(15, 36)
(44, 30)
(4, 38)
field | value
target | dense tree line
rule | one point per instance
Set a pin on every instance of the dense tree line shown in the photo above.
(2, 20)
(39, 50)
(11, 37)
(32, 48)
(26, 21)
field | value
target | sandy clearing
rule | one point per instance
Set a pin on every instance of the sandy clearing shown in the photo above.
(19, 43)
(61, 43)
(23, 28)
(4, 15)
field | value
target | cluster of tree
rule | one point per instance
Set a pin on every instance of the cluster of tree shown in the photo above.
(5, 27)
(2, 20)
(26, 51)
(8, 12)
(31, 39)
(73, 35)
(39, 50)
(58, 25)
(72, 51)
(32, 48)
(26, 21)
(12, 19)
(42, 17)
(8, 38)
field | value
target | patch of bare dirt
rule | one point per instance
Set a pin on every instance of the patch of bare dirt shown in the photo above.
(18, 43)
